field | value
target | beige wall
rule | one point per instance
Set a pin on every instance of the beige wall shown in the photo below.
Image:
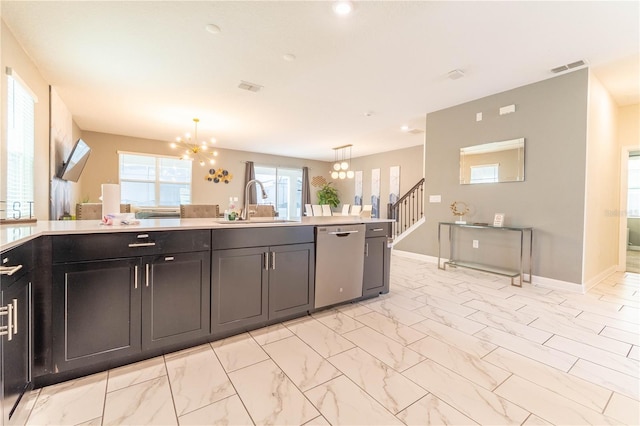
(410, 161)
(15, 57)
(102, 167)
(602, 185)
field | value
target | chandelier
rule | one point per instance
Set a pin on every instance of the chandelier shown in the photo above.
(194, 150)
(341, 167)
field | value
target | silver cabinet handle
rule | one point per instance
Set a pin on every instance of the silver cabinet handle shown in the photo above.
(9, 270)
(142, 244)
(10, 322)
(266, 260)
(15, 316)
(168, 258)
(135, 277)
(6, 330)
(366, 249)
(143, 236)
(377, 229)
(147, 275)
(273, 260)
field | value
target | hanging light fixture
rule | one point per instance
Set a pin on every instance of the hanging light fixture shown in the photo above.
(341, 167)
(195, 150)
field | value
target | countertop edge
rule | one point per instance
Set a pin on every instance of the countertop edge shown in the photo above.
(14, 235)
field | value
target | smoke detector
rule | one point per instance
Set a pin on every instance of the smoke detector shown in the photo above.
(455, 74)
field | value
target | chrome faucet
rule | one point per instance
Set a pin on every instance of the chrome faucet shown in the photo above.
(245, 212)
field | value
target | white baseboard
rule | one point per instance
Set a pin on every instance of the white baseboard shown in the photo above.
(537, 281)
(554, 284)
(601, 276)
(409, 230)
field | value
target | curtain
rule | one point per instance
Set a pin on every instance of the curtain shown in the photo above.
(249, 175)
(306, 192)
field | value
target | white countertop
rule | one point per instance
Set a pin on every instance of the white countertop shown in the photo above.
(14, 235)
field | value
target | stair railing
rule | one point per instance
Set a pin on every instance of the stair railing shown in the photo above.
(407, 210)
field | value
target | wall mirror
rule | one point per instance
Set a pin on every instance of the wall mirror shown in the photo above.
(492, 162)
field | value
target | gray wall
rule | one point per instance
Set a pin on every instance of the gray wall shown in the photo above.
(551, 115)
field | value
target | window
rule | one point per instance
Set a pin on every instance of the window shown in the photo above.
(148, 180)
(633, 196)
(284, 189)
(20, 149)
(484, 174)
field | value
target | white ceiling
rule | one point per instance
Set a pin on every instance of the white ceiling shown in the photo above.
(146, 68)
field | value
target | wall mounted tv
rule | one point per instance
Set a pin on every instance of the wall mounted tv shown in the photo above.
(72, 168)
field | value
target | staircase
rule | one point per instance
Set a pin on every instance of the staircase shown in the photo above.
(408, 212)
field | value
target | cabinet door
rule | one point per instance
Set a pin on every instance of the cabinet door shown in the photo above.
(291, 280)
(376, 267)
(97, 315)
(16, 353)
(239, 289)
(175, 301)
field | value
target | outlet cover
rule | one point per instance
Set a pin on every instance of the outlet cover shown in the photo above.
(476, 243)
(435, 198)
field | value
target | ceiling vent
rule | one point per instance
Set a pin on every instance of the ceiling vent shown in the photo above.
(568, 67)
(415, 131)
(252, 87)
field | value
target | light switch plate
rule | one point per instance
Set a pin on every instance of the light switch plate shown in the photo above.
(478, 116)
(435, 198)
(508, 109)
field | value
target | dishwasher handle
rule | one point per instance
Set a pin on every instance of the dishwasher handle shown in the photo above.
(342, 233)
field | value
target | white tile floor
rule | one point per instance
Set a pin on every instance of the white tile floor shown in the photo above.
(454, 347)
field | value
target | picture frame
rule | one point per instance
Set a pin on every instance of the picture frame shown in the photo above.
(498, 220)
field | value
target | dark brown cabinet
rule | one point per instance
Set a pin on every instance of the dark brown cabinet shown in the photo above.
(15, 332)
(377, 260)
(254, 285)
(108, 309)
(175, 300)
(99, 312)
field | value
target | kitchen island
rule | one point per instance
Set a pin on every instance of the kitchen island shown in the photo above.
(104, 296)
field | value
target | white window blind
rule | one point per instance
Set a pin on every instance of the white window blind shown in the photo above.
(148, 180)
(20, 150)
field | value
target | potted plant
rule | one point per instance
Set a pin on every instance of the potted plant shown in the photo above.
(328, 195)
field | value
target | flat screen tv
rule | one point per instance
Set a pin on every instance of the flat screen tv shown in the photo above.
(72, 168)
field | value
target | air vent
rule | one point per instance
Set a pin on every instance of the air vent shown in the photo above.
(252, 87)
(567, 67)
(415, 131)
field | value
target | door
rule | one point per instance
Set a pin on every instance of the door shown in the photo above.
(176, 299)
(16, 352)
(375, 267)
(99, 314)
(291, 279)
(239, 288)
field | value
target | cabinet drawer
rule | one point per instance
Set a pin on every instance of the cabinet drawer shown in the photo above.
(377, 230)
(74, 248)
(256, 237)
(21, 255)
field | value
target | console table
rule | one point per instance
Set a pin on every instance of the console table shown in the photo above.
(487, 268)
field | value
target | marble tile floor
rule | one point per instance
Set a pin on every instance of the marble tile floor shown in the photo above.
(443, 347)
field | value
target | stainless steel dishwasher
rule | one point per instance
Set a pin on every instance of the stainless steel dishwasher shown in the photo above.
(339, 263)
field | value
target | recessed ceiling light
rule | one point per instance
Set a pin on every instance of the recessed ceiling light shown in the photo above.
(289, 57)
(213, 29)
(368, 113)
(342, 8)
